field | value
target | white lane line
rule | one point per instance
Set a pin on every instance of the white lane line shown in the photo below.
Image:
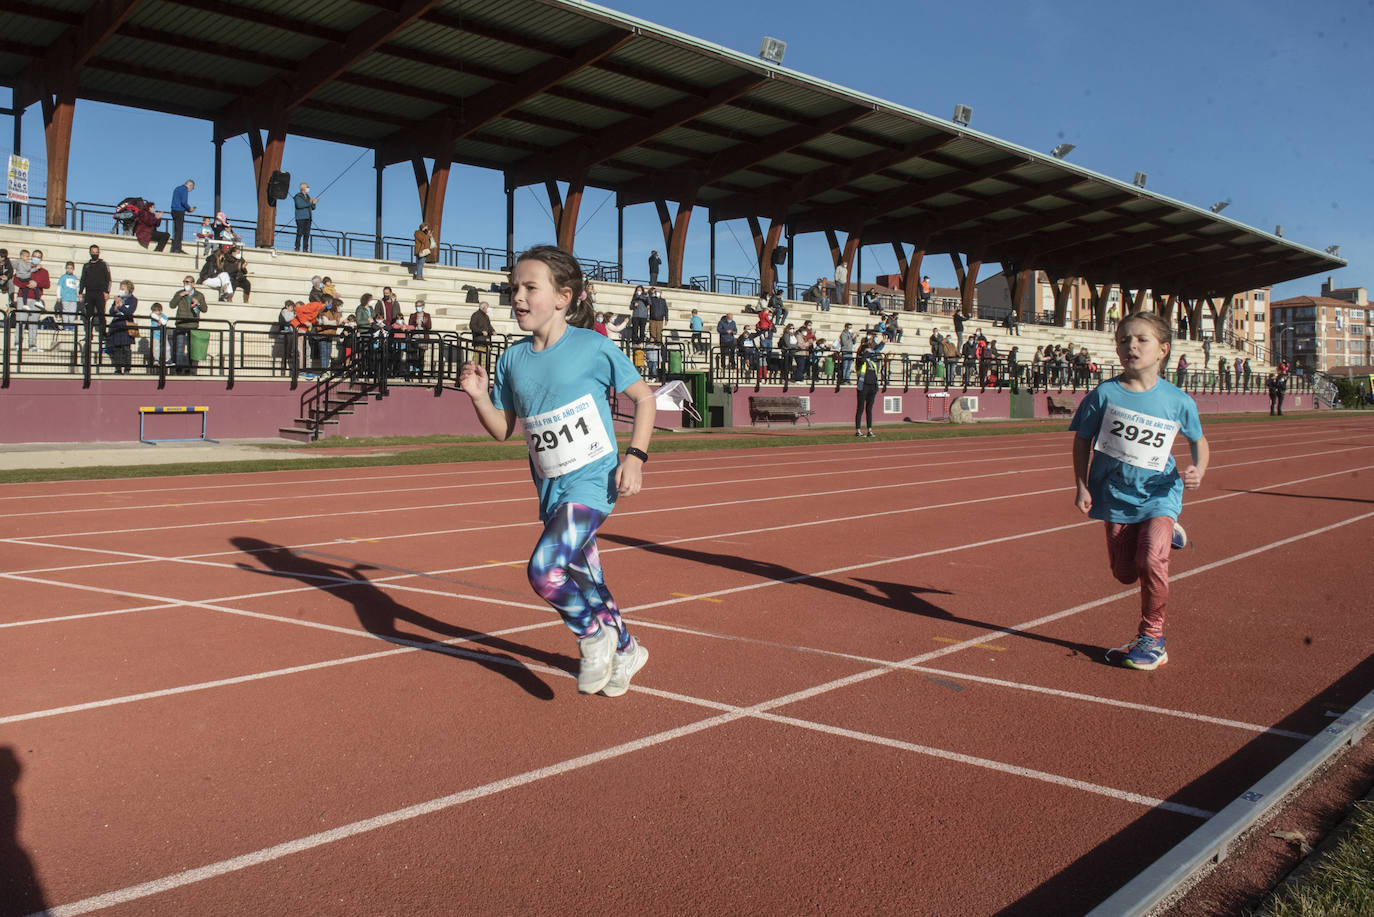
(952, 675)
(452, 800)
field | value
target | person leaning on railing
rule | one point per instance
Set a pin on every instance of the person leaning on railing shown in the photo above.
(188, 305)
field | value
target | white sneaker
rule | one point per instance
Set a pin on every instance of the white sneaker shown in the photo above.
(624, 667)
(597, 652)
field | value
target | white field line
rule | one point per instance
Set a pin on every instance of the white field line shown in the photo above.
(29, 539)
(730, 714)
(1223, 435)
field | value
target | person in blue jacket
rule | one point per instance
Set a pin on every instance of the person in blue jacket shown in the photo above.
(181, 205)
(305, 212)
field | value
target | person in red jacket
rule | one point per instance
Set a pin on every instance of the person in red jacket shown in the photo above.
(146, 223)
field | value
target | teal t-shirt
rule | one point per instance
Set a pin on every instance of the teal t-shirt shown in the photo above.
(560, 396)
(1132, 476)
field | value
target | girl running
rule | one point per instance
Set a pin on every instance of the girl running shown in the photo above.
(1127, 426)
(554, 382)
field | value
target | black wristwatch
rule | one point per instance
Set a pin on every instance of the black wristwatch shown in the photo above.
(637, 453)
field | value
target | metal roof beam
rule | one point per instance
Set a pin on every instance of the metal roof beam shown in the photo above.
(62, 61)
(579, 154)
(472, 113)
(1040, 220)
(714, 168)
(323, 65)
(855, 213)
(264, 17)
(1128, 259)
(804, 186)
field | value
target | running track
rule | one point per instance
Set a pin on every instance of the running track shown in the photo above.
(875, 685)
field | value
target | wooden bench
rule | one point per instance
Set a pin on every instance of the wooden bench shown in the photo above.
(1062, 404)
(777, 407)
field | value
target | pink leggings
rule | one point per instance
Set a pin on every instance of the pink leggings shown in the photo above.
(1140, 551)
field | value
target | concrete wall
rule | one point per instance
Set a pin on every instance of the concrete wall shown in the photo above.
(59, 410)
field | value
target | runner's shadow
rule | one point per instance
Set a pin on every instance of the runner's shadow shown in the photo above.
(20, 892)
(380, 614)
(897, 596)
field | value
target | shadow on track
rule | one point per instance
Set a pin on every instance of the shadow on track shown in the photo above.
(20, 892)
(902, 597)
(380, 614)
(1279, 493)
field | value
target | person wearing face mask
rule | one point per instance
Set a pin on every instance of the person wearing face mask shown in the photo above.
(419, 322)
(305, 213)
(188, 305)
(31, 295)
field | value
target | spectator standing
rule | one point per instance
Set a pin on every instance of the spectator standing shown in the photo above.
(363, 314)
(651, 359)
(867, 374)
(327, 332)
(94, 290)
(894, 330)
(725, 334)
(1223, 374)
(959, 327)
(424, 250)
(31, 295)
(157, 341)
(482, 330)
(765, 332)
(602, 324)
(694, 323)
(1206, 352)
(123, 331)
(841, 277)
(68, 286)
(188, 305)
(658, 314)
(6, 279)
(389, 307)
(146, 223)
(846, 342)
(655, 262)
(792, 357)
(304, 324)
(1181, 373)
(1247, 374)
(924, 298)
(1113, 316)
(181, 205)
(639, 315)
(1133, 485)
(1278, 386)
(418, 325)
(305, 214)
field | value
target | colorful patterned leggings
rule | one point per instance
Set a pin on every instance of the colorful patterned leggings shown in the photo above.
(565, 570)
(1140, 551)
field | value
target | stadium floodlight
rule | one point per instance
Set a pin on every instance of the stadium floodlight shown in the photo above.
(1333, 250)
(963, 114)
(1140, 178)
(772, 49)
(1062, 150)
(1219, 206)
(1278, 230)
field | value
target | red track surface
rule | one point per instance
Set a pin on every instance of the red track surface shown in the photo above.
(876, 683)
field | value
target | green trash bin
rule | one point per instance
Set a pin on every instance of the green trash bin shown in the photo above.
(199, 344)
(675, 361)
(828, 368)
(939, 369)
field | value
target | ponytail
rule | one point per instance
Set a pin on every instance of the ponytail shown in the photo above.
(567, 275)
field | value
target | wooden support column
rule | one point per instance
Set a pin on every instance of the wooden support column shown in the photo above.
(675, 233)
(968, 285)
(565, 210)
(843, 256)
(58, 109)
(1017, 283)
(1061, 289)
(1099, 294)
(1220, 316)
(765, 243)
(911, 273)
(432, 184)
(266, 160)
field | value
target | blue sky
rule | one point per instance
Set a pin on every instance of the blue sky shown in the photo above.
(1264, 102)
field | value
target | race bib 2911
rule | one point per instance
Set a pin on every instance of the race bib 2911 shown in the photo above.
(567, 438)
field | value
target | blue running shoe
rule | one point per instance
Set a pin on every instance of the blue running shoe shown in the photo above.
(1180, 538)
(1144, 652)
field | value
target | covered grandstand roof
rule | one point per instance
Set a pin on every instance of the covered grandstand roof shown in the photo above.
(541, 89)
